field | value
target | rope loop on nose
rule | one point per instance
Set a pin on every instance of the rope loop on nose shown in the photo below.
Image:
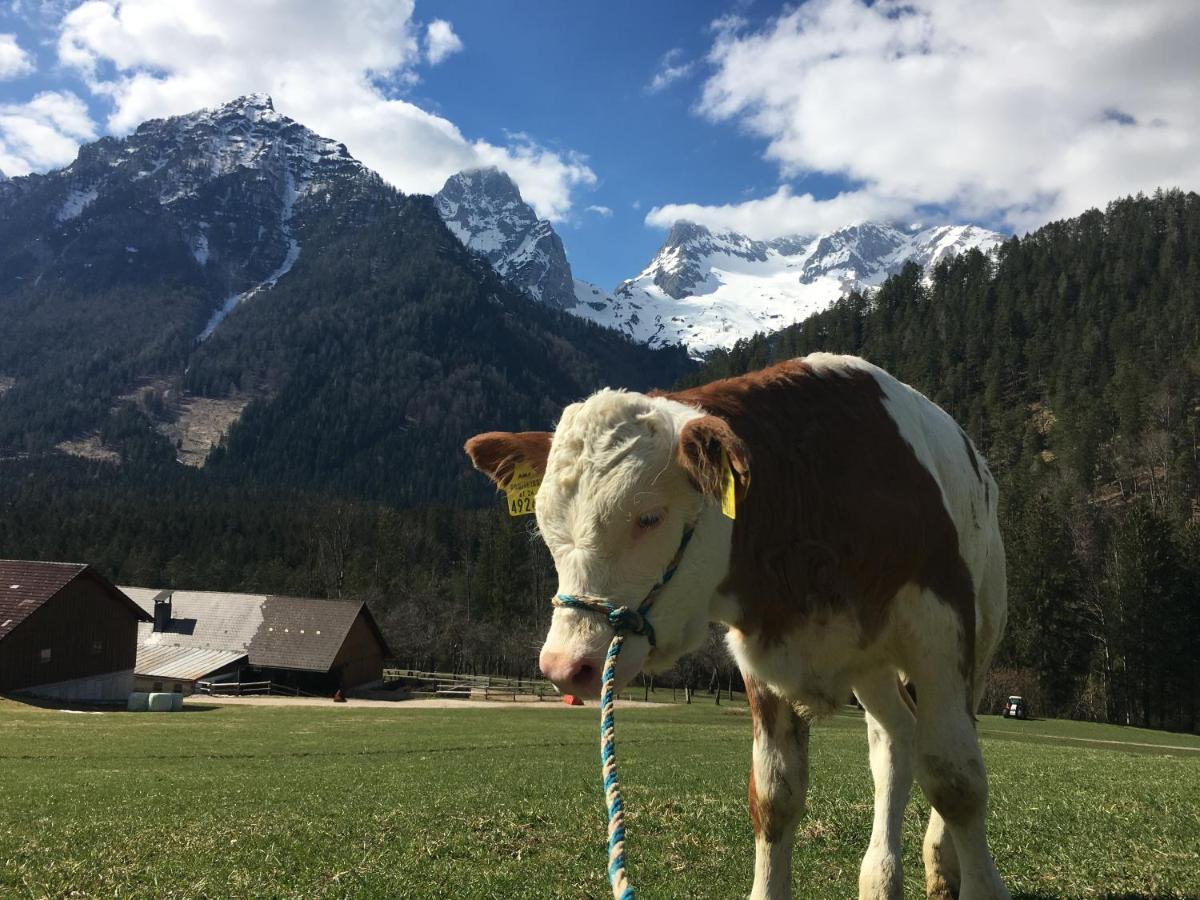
(621, 619)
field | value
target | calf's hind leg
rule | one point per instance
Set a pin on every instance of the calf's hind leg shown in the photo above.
(890, 727)
(950, 771)
(778, 784)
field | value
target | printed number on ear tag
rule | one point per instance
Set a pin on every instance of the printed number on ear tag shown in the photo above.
(728, 496)
(521, 489)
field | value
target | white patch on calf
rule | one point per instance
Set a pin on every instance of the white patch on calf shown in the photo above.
(613, 458)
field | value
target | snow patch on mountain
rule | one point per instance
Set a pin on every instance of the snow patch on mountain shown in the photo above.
(77, 201)
(707, 290)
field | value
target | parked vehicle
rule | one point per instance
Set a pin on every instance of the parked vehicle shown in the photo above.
(1014, 708)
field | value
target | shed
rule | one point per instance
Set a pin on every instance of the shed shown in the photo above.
(66, 632)
(314, 645)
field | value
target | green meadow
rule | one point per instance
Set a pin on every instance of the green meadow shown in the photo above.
(313, 802)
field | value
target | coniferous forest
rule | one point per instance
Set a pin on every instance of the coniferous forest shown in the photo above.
(1071, 357)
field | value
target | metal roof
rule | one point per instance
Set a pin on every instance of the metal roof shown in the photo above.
(183, 663)
(25, 585)
(302, 634)
(208, 619)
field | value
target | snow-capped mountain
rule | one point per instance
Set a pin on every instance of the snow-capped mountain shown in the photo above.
(484, 209)
(703, 289)
(220, 197)
(706, 290)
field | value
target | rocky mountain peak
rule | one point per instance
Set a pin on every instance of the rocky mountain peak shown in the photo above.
(220, 197)
(484, 209)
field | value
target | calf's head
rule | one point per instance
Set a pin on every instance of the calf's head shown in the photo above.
(624, 476)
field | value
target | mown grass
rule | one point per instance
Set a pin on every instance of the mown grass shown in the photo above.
(332, 802)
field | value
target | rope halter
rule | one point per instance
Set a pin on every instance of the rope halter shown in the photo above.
(623, 621)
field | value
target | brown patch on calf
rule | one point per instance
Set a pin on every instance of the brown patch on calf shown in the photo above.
(701, 443)
(496, 453)
(756, 821)
(842, 513)
(774, 812)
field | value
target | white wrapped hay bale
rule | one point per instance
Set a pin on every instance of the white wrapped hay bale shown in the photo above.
(161, 702)
(176, 702)
(139, 701)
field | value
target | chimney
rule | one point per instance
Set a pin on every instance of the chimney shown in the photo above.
(162, 611)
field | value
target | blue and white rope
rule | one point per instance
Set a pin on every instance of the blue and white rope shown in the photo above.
(623, 621)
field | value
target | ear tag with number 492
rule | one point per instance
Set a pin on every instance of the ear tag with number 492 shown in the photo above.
(728, 496)
(522, 489)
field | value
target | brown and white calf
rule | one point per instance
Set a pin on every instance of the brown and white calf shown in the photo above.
(865, 551)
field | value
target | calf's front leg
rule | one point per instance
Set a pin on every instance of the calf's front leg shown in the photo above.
(778, 785)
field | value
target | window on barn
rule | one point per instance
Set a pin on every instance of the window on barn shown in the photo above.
(45, 654)
(158, 685)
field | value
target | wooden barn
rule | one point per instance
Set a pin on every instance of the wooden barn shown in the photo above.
(66, 632)
(317, 646)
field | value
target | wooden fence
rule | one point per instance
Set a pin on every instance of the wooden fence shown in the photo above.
(472, 687)
(248, 689)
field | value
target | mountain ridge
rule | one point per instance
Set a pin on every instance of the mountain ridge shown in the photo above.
(703, 289)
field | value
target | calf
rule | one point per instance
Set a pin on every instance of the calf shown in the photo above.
(865, 554)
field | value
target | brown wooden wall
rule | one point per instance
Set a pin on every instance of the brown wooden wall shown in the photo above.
(88, 632)
(361, 657)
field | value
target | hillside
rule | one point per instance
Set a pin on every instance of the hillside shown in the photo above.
(231, 276)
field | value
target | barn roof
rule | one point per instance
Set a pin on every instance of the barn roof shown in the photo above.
(208, 619)
(184, 663)
(25, 585)
(298, 633)
(270, 631)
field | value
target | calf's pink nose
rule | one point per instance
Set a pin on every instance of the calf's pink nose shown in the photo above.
(571, 674)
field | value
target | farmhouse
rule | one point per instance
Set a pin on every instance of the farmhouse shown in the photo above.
(66, 632)
(317, 646)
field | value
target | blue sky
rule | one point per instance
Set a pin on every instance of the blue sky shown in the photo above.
(616, 118)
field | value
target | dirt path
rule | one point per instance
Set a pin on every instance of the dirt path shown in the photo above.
(431, 703)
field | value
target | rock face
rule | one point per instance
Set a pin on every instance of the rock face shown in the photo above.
(484, 209)
(706, 289)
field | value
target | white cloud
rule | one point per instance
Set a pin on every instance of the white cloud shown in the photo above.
(43, 133)
(335, 67)
(14, 61)
(1006, 111)
(602, 211)
(440, 41)
(782, 213)
(671, 68)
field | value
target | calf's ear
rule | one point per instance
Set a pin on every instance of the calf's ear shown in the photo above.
(496, 453)
(703, 443)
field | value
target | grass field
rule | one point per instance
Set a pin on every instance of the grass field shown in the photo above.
(477, 803)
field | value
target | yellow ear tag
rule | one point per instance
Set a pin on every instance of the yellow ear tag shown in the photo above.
(728, 497)
(522, 489)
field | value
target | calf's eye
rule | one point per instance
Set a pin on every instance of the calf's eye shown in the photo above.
(647, 521)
